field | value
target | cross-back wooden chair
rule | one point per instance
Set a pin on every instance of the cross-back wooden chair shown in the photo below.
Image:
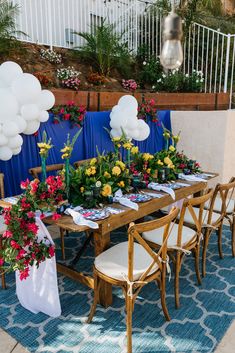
(83, 161)
(183, 239)
(222, 207)
(2, 228)
(49, 168)
(132, 264)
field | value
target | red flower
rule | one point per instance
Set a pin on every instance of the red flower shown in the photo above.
(67, 116)
(15, 245)
(24, 184)
(31, 214)
(7, 234)
(32, 227)
(56, 216)
(24, 274)
(42, 216)
(70, 103)
(21, 254)
(55, 121)
(62, 111)
(1, 262)
(51, 251)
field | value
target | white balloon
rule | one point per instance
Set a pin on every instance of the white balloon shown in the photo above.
(127, 101)
(46, 100)
(132, 123)
(30, 111)
(0, 127)
(116, 133)
(26, 88)
(9, 71)
(135, 134)
(16, 151)
(43, 116)
(32, 127)
(5, 153)
(15, 142)
(10, 129)
(144, 131)
(3, 139)
(20, 122)
(8, 104)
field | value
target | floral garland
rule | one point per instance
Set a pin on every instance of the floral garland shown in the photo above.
(69, 112)
(21, 248)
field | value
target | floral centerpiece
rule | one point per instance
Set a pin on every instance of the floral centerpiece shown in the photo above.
(69, 112)
(21, 247)
(142, 165)
(147, 109)
(186, 165)
(95, 182)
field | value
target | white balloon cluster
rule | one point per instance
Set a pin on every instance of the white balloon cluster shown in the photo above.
(124, 117)
(23, 106)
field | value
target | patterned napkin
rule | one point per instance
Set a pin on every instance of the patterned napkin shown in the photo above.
(159, 187)
(190, 177)
(118, 197)
(80, 220)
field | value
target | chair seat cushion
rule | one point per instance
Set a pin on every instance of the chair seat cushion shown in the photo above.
(218, 205)
(188, 218)
(156, 236)
(114, 261)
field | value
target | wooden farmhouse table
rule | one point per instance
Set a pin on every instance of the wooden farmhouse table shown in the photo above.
(101, 236)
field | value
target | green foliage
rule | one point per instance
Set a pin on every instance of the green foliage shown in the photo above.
(104, 49)
(8, 11)
(151, 71)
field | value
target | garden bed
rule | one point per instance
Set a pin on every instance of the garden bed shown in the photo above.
(100, 101)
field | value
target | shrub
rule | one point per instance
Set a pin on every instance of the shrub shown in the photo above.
(51, 56)
(96, 78)
(151, 71)
(67, 73)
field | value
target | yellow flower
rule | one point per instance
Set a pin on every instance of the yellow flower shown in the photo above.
(82, 189)
(116, 171)
(107, 175)
(166, 135)
(148, 171)
(176, 138)
(159, 162)
(66, 149)
(171, 166)
(90, 171)
(135, 150)
(127, 145)
(93, 170)
(147, 157)
(167, 161)
(93, 161)
(107, 190)
(121, 184)
(116, 139)
(121, 165)
(44, 145)
(171, 148)
(65, 155)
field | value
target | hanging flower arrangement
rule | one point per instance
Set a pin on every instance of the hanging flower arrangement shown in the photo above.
(147, 109)
(69, 112)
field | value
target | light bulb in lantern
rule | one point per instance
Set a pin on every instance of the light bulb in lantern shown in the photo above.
(172, 53)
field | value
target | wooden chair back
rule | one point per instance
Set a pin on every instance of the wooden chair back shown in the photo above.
(225, 192)
(83, 161)
(49, 168)
(134, 232)
(2, 192)
(198, 218)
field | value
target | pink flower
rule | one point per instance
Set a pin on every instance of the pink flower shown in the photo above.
(56, 216)
(31, 214)
(51, 251)
(7, 234)
(21, 254)
(24, 184)
(62, 111)
(15, 245)
(32, 227)
(152, 102)
(1, 261)
(67, 116)
(42, 216)
(24, 274)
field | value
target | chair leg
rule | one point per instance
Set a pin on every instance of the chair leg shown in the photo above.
(62, 243)
(204, 251)
(233, 237)
(96, 298)
(197, 254)
(163, 294)
(129, 306)
(220, 231)
(177, 272)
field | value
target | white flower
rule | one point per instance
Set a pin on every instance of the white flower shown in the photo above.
(144, 63)
(197, 81)
(186, 75)
(159, 80)
(163, 75)
(202, 79)
(153, 87)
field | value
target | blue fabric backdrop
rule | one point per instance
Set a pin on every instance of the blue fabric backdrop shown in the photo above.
(93, 135)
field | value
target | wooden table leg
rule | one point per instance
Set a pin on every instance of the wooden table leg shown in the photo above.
(62, 232)
(101, 243)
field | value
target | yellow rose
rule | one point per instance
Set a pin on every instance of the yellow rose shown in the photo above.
(159, 162)
(116, 171)
(135, 150)
(127, 145)
(93, 161)
(82, 189)
(167, 161)
(121, 165)
(107, 175)
(171, 148)
(147, 157)
(107, 190)
(148, 171)
(121, 184)
(93, 170)
(88, 171)
(171, 166)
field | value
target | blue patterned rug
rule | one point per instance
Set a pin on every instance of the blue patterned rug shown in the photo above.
(206, 312)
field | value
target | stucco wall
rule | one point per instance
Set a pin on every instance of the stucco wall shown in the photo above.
(208, 137)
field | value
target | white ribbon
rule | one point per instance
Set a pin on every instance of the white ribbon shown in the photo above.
(168, 268)
(190, 177)
(185, 251)
(159, 187)
(80, 220)
(118, 197)
(131, 284)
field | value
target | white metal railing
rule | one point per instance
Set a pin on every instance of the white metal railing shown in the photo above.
(53, 23)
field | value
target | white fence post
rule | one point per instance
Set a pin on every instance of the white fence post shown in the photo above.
(49, 14)
(227, 64)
